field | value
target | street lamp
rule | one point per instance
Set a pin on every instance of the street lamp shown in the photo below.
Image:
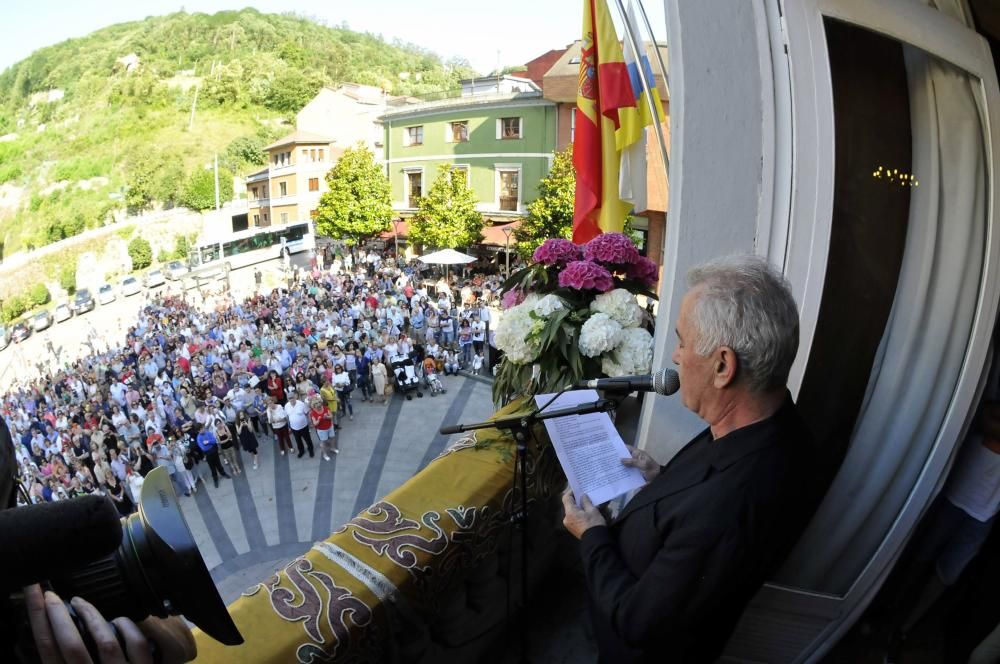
(507, 230)
(395, 237)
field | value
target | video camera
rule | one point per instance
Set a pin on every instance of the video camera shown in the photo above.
(145, 564)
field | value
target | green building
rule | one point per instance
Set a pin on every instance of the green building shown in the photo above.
(501, 132)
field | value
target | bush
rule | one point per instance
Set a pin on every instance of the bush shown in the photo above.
(13, 308)
(141, 253)
(39, 295)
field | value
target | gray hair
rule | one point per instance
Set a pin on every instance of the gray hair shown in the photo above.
(746, 304)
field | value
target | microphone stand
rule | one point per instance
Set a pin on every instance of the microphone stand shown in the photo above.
(520, 427)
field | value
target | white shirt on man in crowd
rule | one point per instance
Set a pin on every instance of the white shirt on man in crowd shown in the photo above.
(298, 414)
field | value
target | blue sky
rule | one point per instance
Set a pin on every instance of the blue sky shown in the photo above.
(476, 30)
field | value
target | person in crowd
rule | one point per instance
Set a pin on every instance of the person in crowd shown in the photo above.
(227, 447)
(209, 445)
(322, 421)
(342, 383)
(277, 419)
(676, 567)
(298, 422)
(246, 436)
(465, 342)
(379, 378)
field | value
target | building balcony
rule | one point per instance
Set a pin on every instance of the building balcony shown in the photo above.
(258, 202)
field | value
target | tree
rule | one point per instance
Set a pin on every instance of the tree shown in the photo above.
(447, 217)
(140, 252)
(67, 277)
(199, 190)
(358, 205)
(140, 178)
(551, 214)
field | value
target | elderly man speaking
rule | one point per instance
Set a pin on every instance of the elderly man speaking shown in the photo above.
(670, 576)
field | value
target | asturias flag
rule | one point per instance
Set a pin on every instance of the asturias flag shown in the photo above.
(604, 99)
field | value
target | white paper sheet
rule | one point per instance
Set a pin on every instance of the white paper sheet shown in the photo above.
(589, 449)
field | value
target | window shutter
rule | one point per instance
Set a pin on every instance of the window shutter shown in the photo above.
(499, 128)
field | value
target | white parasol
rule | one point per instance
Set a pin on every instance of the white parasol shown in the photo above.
(446, 257)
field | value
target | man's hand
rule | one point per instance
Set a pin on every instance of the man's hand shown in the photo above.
(577, 520)
(59, 641)
(643, 462)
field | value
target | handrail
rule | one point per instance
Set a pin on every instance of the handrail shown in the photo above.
(374, 586)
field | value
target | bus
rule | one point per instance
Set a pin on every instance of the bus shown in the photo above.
(253, 245)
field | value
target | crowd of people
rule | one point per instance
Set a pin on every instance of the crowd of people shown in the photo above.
(198, 390)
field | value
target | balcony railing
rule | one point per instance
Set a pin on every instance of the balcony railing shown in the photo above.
(417, 577)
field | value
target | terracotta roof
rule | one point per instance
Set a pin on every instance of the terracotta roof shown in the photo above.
(297, 137)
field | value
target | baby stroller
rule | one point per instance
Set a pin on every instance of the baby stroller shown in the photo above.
(434, 383)
(405, 375)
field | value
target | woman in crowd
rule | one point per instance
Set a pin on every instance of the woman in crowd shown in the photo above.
(247, 438)
(379, 378)
(322, 420)
(227, 447)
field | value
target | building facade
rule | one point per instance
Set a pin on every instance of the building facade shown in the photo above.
(346, 115)
(503, 141)
(289, 189)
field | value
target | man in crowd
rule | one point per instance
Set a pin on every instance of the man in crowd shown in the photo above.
(670, 576)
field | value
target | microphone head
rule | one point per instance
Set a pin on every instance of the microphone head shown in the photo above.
(666, 381)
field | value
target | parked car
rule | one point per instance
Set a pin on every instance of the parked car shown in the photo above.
(154, 279)
(83, 302)
(130, 286)
(41, 320)
(4, 336)
(63, 312)
(20, 332)
(105, 294)
(175, 270)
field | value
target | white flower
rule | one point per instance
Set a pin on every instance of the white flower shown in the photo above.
(548, 304)
(620, 305)
(514, 333)
(599, 335)
(633, 355)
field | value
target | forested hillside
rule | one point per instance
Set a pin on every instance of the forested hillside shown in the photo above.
(95, 125)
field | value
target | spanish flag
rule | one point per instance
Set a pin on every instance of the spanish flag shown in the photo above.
(604, 99)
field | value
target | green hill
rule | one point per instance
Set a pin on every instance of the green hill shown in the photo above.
(86, 132)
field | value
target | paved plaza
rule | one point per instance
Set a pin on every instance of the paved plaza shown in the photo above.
(254, 523)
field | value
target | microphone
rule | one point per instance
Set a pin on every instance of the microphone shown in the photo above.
(38, 541)
(664, 381)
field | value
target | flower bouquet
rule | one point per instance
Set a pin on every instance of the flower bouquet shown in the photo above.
(573, 314)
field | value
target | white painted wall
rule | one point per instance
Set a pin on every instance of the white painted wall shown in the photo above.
(716, 133)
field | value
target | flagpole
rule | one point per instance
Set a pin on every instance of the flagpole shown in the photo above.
(659, 58)
(650, 86)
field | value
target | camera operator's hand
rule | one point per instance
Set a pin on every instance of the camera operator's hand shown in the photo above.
(59, 641)
(643, 462)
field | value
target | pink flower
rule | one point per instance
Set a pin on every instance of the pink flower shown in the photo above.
(611, 249)
(512, 298)
(643, 270)
(556, 251)
(585, 275)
